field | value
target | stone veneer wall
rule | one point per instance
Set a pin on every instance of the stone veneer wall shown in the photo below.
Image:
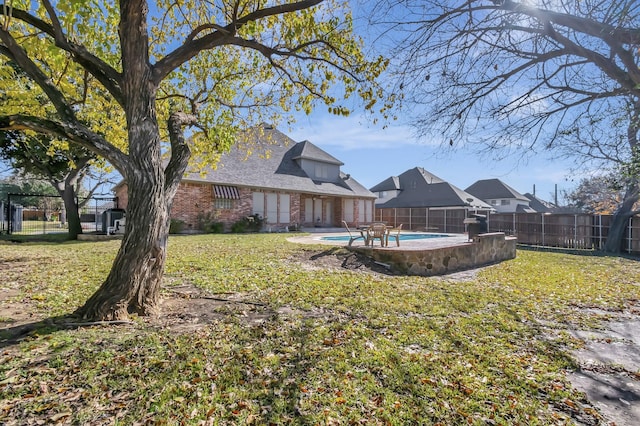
(484, 250)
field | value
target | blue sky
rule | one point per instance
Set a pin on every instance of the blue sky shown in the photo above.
(371, 154)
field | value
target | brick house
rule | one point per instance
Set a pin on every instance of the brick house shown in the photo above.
(285, 182)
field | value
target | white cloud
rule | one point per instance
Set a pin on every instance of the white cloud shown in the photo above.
(352, 133)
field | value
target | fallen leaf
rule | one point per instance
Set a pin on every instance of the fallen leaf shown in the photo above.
(57, 417)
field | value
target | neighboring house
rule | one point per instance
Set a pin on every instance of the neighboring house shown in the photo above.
(500, 196)
(539, 205)
(285, 182)
(419, 199)
(542, 206)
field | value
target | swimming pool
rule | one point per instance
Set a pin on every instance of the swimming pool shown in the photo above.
(403, 237)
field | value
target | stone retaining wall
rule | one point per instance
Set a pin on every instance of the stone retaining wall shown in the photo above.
(483, 250)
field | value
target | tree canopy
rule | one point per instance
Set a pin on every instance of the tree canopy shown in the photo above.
(218, 65)
(98, 71)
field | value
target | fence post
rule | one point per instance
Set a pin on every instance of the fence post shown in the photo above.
(9, 215)
(630, 234)
(599, 232)
(427, 220)
(445, 220)
(575, 231)
(542, 214)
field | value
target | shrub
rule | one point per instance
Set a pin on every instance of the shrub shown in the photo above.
(207, 222)
(251, 223)
(176, 226)
(239, 227)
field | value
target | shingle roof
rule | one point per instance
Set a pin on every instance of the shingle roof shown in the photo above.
(308, 151)
(392, 183)
(420, 188)
(521, 208)
(272, 165)
(538, 204)
(488, 189)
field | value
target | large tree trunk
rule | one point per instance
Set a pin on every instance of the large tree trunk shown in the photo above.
(68, 195)
(620, 219)
(134, 281)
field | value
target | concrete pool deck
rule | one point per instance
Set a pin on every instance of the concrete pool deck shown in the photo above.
(429, 256)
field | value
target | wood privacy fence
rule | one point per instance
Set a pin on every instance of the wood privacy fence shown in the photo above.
(573, 231)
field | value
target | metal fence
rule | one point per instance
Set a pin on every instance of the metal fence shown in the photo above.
(425, 219)
(37, 214)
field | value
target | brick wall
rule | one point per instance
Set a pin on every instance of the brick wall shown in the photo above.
(122, 196)
(296, 208)
(192, 200)
(195, 201)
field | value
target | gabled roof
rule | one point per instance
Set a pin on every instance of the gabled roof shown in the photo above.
(391, 183)
(305, 150)
(420, 188)
(488, 189)
(274, 165)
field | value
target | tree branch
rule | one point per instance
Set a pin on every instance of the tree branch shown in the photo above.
(193, 46)
(72, 131)
(180, 152)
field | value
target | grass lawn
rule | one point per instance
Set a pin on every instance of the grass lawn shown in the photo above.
(329, 346)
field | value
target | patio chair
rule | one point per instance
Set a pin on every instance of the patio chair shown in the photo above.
(379, 231)
(394, 233)
(353, 237)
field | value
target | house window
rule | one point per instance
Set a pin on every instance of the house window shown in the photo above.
(223, 204)
(284, 215)
(348, 210)
(322, 171)
(273, 207)
(383, 194)
(504, 202)
(494, 202)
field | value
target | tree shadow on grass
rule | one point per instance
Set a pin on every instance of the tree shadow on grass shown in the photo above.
(576, 252)
(350, 260)
(17, 333)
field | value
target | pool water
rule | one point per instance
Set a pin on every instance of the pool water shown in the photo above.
(403, 237)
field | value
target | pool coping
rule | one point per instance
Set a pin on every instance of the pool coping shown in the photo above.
(408, 245)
